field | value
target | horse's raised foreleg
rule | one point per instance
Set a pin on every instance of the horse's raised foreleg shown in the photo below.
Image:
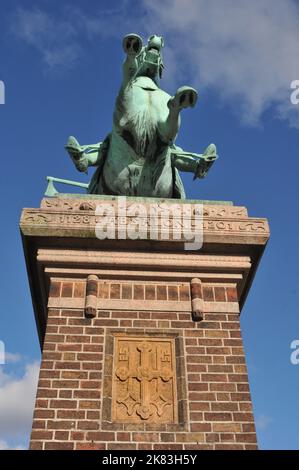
(132, 46)
(185, 97)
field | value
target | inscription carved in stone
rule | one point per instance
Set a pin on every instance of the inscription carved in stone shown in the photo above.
(90, 205)
(144, 380)
(66, 220)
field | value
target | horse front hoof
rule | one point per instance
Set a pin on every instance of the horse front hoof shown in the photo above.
(185, 97)
(73, 145)
(210, 153)
(211, 150)
(132, 44)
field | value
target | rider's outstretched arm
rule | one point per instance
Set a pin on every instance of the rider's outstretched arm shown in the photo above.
(198, 164)
(92, 153)
(184, 162)
(84, 156)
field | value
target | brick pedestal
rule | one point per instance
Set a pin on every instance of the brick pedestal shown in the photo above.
(141, 339)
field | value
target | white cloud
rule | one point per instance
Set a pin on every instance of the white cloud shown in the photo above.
(245, 50)
(263, 422)
(5, 446)
(17, 398)
(110, 22)
(59, 38)
(54, 38)
(12, 357)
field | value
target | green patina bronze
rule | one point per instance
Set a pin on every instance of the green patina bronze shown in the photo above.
(139, 157)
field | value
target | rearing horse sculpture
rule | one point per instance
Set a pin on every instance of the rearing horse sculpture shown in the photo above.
(139, 157)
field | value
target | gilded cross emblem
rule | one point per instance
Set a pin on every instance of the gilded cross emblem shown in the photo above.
(144, 380)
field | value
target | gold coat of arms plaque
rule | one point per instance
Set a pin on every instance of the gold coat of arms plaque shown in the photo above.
(144, 380)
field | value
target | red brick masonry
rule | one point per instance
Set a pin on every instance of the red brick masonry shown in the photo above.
(94, 299)
(73, 402)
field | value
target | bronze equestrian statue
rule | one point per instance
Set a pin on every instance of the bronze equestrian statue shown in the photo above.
(139, 157)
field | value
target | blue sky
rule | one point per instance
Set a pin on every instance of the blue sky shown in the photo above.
(61, 65)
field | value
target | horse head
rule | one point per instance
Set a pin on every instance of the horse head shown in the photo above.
(149, 59)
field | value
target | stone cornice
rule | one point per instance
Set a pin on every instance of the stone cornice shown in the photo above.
(60, 241)
(77, 219)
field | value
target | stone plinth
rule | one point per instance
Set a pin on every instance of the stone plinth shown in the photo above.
(141, 339)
